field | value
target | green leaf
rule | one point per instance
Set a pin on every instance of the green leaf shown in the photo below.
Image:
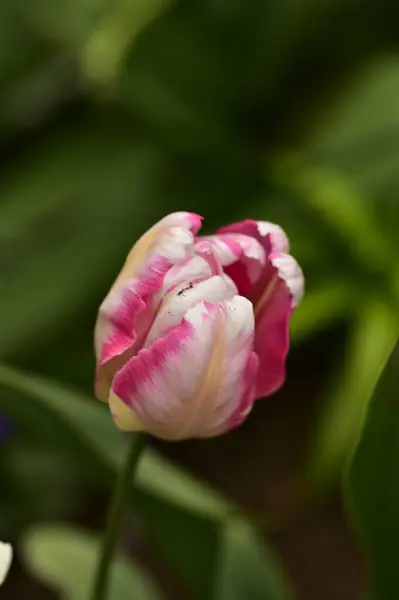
(116, 31)
(309, 58)
(180, 85)
(361, 139)
(372, 483)
(68, 23)
(338, 203)
(34, 78)
(90, 423)
(188, 541)
(172, 504)
(370, 345)
(247, 569)
(66, 559)
(326, 303)
(369, 111)
(28, 468)
(84, 175)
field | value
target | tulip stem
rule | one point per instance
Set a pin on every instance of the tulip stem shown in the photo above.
(116, 510)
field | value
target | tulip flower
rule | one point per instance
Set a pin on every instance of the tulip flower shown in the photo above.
(195, 329)
(5, 560)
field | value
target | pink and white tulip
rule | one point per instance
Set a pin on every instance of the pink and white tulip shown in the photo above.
(176, 342)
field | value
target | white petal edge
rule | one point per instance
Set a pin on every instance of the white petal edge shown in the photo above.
(250, 247)
(290, 271)
(5, 560)
(279, 239)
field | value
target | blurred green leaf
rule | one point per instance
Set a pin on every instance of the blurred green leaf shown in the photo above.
(89, 421)
(63, 225)
(35, 79)
(21, 49)
(367, 113)
(247, 570)
(322, 306)
(66, 559)
(311, 60)
(188, 541)
(372, 483)
(121, 23)
(336, 202)
(28, 468)
(361, 139)
(179, 84)
(68, 23)
(369, 347)
(175, 507)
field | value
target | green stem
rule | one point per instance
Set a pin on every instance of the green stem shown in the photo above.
(116, 509)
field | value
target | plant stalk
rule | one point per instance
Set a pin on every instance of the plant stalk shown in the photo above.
(116, 510)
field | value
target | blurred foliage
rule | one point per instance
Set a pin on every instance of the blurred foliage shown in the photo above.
(67, 559)
(246, 570)
(115, 113)
(173, 506)
(77, 421)
(372, 484)
(368, 349)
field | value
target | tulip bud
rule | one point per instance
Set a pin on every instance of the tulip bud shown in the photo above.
(175, 347)
(184, 327)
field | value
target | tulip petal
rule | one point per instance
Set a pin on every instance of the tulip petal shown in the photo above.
(190, 382)
(272, 312)
(126, 314)
(291, 272)
(200, 277)
(270, 235)
(124, 320)
(206, 250)
(168, 242)
(241, 256)
(195, 268)
(231, 247)
(248, 397)
(175, 305)
(272, 340)
(5, 560)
